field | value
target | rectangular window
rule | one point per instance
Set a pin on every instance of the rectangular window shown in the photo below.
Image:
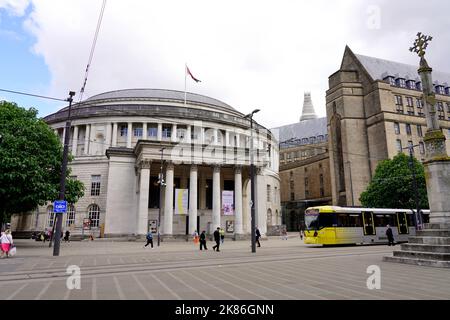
(269, 193)
(95, 185)
(399, 104)
(321, 180)
(152, 132)
(397, 128)
(292, 185)
(419, 130)
(137, 132)
(306, 182)
(123, 131)
(399, 145)
(422, 148)
(441, 111)
(408, 129)
(448, 107)
(167, 131)
(409, 102)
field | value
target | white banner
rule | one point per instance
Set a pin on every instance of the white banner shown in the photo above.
(227, 203)
(181, 201)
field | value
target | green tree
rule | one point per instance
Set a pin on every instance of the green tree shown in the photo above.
(392, 185)
(30, 163)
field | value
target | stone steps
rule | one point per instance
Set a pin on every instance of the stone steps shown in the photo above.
(418, 262)
(423, 255)
(430, 240)
(417, 247)
(433, 233)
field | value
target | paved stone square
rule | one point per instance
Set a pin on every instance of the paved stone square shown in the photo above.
(179, 271)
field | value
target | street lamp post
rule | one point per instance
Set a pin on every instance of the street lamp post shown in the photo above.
(62, 191)
(161, 183)
(252, 179)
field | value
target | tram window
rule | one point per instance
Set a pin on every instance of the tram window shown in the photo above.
(327, 220)
(349, 220)
(410, 218)
(382, 220)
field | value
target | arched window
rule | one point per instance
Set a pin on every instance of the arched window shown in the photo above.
(70, 219)
(51, 216)
(94, 215)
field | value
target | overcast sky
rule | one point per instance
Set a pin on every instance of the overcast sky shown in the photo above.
(249, 54)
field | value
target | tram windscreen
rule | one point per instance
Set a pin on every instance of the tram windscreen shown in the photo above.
(316, 221)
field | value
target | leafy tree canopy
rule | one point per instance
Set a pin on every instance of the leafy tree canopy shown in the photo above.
(30, 162)
(392, 185)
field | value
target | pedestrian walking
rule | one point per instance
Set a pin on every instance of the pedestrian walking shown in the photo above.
(7, 243)
(301, 234)
(67, 236)
(222, 235)
(195, 237)
(149, 238)
(390, 236)
(284, 234)
(258, 235)
(203, 241)
(217, 239)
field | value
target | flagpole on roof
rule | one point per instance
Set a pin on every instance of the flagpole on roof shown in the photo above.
(185, 76)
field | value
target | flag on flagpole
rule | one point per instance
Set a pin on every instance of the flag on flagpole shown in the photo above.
(189, 72)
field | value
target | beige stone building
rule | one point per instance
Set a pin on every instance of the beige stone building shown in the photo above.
(375, 111)
(304, 165)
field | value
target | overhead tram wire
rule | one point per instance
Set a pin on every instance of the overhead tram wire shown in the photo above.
(91, 55)
(32, 95)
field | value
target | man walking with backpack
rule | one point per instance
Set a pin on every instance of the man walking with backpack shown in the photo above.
(217, 239)
(149, 239)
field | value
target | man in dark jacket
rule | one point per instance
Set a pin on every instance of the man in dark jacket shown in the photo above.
(258, 235)
(217, 239)
(390, 236)
(203, 241)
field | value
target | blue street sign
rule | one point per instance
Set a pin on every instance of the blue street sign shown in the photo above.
(60, 207)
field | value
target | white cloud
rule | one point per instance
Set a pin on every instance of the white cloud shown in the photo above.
(15, 7)
(248, 54)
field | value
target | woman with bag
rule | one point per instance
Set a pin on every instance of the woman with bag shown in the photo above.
(6, 243)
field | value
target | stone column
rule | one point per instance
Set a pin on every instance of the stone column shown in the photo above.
(216, 138)
(86, 139)
(144, 186)
(202, 136)
(216, 198)
(144, 131)
(114, 135)
(75, 141)
(227, 138)
(168, 203)
(238, 228)
(174, 133)
(108, 137)
(129, 134)
(193, 200)
(159, 134)
(188, 133)
(91, 139)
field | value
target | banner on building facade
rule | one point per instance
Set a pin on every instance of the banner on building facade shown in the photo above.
(228, 203)
(181, 201)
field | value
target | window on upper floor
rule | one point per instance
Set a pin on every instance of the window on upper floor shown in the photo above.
(401, 82)
(397, 128)
(409, 102)
(138, 132)
(123, 131)
(152, 131)
(448, 107)
(440, 90)
(447, 91)
(269, 193)
(166, 131)
(306, 182)
(419, 130)
(95, 185)
(408, 129)
(390, 80)
(441, 113)
(419, 86)
(412, 85)
(399, 145)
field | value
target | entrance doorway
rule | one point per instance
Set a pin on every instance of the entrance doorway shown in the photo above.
(187, 225)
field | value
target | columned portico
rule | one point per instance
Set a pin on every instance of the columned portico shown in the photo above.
(87, 134)
(114, 135)
(129, 134)
(168, 202)
(238, 201)
(216, 198)
(193, 200)
(142, 219)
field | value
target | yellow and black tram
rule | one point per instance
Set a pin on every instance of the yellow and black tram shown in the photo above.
(330, 225)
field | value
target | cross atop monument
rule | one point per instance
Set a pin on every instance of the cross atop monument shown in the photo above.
(421, 44)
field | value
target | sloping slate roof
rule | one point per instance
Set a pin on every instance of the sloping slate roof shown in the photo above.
(159, 94)
(302, 129)
(380, 69)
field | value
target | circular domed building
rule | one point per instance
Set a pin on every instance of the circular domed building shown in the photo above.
(123, 141)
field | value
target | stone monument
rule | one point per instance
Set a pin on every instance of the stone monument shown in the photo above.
(431, 246)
